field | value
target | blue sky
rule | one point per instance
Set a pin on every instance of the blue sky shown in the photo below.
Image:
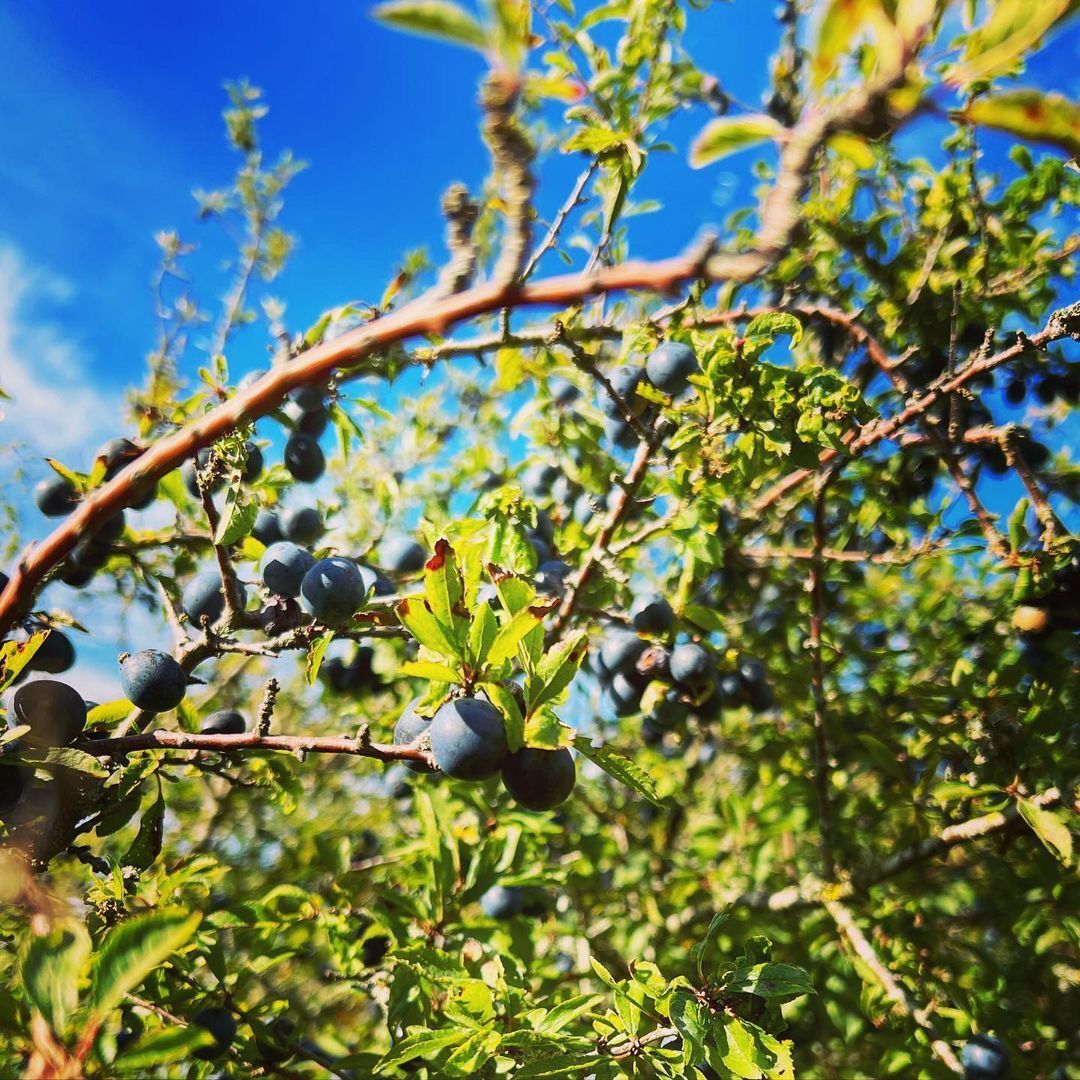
(112, 117)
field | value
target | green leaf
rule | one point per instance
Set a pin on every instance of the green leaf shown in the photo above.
(434, 18)
(156, 1048)
(146, 846)
(50, 972)
(698, 950)
(693, 1021)
(1014, 28)
(422, 1044)
(416, 617)
(842, 24)
(444, 592)
(481, 634)
(237, 517)
(773, 324)
(622, 769)
(1049, 828)
(504, 700)
(315, 655)
(108, 714)
(66, 757)
(556, 671)
(132, 950)
(513, 632)
(567, 1011)
(427, 669)
(729, 134)
(544, 729)
(784, 982)
(15, 655)
(1030, 114)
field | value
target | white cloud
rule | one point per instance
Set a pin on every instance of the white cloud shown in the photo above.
(55, 409)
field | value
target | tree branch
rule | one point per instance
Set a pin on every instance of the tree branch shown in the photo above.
(866, 952)
(162, 739)
(426, 315)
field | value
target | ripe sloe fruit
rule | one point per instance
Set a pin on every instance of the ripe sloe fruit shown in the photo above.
(333, 590)
(551, 577)
(502, 901)
(619, 432)
(670, 366)
(310, 421)
(374, 582)
(468, 741)
(402, 555)
(55, 712)
(984, 1058)
(283, 567)
(692, 667)
(223, 722)
(153, 680)
(408, 729)
(55, 654)
(55, 496)
(619, 651)
(203, 595)
(222, 1026)
(267, 527)
(304, 458)
(624, 381)
(652, 614)
(253, 465)
(540, 779)
(302, 525)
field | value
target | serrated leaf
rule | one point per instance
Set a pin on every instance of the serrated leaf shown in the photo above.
(237, 517)
(428, 669)
(785, 982)
(417, 618)
(482, 633)
(1049, 828)
(146, 846)
(1014, 28)
(315, 655)
(50, 971)
(773, 324)
(1030, 114)
(132, 950)
(504, 700)
(66, 757)
(15, 655)
(434, 18)
(421, 1044)
(729, 134)
(566, 1011)
(154, 1049)
(621, 768)
(556, 671)
(512, 633)
(445, 593)
(108, 714)
(543, 729)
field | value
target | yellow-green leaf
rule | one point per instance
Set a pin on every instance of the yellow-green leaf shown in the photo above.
(428, 669)
(1030, 114)
(1014, 28)
(1049, 828)
(729, 134)
(434, 18)
(50, 972)
(132, 950)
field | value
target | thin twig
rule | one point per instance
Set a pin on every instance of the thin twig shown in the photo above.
(866, 952)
